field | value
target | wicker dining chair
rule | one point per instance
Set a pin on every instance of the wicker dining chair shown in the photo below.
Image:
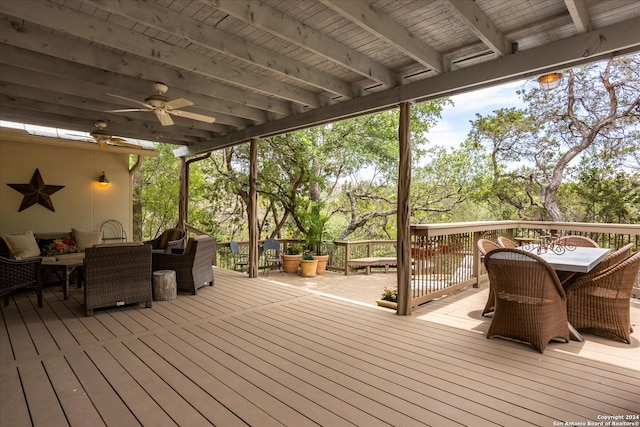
(505, 242)
(612, 259)
(581, 241)
(601, 303)
(485, 246)
(194, 267)
(531, 304)
(20, 274)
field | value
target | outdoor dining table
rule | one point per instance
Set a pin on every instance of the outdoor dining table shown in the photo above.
(567, 264)
(578, 260)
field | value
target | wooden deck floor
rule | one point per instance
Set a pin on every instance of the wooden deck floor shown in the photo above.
(285, 351)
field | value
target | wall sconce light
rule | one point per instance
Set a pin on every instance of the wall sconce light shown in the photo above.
(550, 81)
(103, 179)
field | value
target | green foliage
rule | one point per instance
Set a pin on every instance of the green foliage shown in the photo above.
(593, 117)
(307, 256)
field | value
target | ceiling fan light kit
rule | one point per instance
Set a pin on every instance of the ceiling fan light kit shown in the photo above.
(162, 106)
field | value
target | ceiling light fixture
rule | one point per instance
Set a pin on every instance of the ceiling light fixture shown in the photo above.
(550, 81)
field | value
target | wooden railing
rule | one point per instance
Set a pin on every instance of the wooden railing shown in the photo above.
(444, 256)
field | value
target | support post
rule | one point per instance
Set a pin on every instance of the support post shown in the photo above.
(183, 192)
(404, 208)
(253, 209)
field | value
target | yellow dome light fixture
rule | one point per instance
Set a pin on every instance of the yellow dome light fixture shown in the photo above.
(550, 81)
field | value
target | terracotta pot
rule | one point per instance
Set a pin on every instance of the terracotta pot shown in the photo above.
(322, 263)
(308, 267)
(290, 263)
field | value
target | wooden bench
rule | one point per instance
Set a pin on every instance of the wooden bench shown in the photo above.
(369, 262)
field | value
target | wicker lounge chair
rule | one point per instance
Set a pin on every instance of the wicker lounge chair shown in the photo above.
(505, 242)
(170, 239)
(531, 305)
(20, 274)
(485, 246)
(577, 241)
(116, 274)
(601, 303)
(194, 267)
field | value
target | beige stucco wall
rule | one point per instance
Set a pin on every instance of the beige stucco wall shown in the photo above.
(82, 203)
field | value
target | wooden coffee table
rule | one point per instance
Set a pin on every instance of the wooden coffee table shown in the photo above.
(64, 270)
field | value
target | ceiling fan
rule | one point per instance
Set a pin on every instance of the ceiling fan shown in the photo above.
(104, 138)
(163, 106)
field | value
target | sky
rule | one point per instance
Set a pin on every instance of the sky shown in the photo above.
(455, 124)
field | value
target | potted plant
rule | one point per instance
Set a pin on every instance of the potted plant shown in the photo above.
(291, 260)
(316, 222)
(389, 297)
(308, 264)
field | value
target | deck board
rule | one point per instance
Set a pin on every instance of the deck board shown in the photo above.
(286, 350)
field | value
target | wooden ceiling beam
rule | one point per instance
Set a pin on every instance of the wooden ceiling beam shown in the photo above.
(20, 96)
(268, 19)
(64, 53)
(58, 121)
(474, 18)
(617, 39)
(579, 14)
(60, 18)
(164, 19)
(361, 13)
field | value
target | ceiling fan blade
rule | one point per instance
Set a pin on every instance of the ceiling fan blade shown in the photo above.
(165, 119)
(144, 104)
(193, 116)
(127, 110)
(174, 104)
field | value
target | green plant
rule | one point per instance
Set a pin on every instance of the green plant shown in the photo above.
(315, 222)
(390, 293)
(294, 250)
(307, 256)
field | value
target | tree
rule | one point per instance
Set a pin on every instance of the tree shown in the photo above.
(594, 113)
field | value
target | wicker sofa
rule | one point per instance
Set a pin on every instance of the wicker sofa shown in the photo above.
(116, 274)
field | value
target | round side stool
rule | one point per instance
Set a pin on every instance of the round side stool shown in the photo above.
(164, 285)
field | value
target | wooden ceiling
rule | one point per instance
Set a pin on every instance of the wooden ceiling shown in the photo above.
(267, 67)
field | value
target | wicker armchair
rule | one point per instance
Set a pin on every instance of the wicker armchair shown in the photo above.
(194, 267)
(505, 242)
(20, 274)
(600, 303)
(577, 241)
(485, 246)
(116, 274)
(170, 239)
(531, 304)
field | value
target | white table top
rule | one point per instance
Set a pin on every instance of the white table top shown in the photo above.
(580, 260)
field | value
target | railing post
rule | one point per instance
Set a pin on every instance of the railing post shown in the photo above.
(477, 262)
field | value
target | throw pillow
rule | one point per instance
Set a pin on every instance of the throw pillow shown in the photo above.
(53, 247)
(22, 245)
(86, 239)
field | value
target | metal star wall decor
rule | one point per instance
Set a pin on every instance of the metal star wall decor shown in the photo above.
(36, 191)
